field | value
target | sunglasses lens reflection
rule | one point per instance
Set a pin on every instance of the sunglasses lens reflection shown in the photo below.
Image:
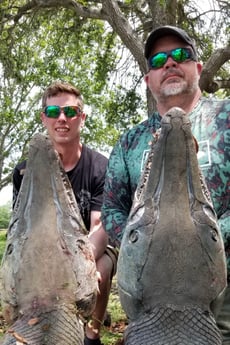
(53, 111)
(179, 55)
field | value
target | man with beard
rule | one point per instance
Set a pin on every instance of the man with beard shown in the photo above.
(173, 79)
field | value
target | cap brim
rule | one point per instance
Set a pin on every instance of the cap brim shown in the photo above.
(164, 31)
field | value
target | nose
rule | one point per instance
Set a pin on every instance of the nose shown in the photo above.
(62, 116)
(170, 63)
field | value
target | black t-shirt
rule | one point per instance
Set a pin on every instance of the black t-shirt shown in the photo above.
(87, 180)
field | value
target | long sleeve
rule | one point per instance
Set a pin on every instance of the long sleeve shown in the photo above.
(125, 166)
(224, 224)
(117, 196)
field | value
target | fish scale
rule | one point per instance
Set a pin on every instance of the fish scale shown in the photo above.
(172, 252)
(48, 271)
(61, 326)
(165, 326)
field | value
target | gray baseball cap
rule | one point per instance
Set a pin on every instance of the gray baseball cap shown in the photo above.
(164, 31)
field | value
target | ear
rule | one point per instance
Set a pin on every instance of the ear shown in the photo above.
(199, 67)
(43, 118)
(146, 78)
(83, 118)
(42, 115)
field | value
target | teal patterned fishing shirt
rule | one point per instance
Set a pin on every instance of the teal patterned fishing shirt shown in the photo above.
(211, 127)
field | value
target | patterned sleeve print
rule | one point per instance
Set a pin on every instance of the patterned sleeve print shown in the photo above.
(117, 196)
(211, 127)
(124, 170)
(224, 223)
(222, 195)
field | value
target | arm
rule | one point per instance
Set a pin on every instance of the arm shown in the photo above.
(117, 196)
(97, 235)
(17, 180)
(224, 224)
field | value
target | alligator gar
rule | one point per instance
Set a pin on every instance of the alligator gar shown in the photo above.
(48, 272)
(171, 266)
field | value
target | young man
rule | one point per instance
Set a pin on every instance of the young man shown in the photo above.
(63, 118)
(173, 79)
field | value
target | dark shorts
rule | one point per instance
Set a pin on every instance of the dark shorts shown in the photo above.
(113, 254)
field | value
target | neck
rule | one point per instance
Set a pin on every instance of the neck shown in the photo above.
(70, 154)
(185, 103)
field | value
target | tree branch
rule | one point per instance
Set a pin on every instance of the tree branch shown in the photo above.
(213, 64)
(82, 11)
(121, 26)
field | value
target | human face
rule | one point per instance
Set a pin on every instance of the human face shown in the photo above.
(63, 129)
(173, 78)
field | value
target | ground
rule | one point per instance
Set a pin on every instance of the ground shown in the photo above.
(113, 334)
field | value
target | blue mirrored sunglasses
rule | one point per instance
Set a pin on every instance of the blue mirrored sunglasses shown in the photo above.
(178, 54)
(54, 111)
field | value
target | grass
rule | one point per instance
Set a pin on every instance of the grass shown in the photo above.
(110, 335)
(2, 242)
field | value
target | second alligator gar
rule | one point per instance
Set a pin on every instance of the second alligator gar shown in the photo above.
(171, 266)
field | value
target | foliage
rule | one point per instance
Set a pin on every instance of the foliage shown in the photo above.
(98, 46)
(81, 52)
(2, 243)
(111, 335)
(5, 214)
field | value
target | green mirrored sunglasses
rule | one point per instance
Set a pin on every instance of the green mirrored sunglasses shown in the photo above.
(54, 111)
(178, 54)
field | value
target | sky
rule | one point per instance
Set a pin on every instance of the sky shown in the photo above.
(5, 195)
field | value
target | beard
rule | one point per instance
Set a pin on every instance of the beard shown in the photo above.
(178, 86)
(174, 88)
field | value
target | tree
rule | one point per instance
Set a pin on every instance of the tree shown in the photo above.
(99, 46)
